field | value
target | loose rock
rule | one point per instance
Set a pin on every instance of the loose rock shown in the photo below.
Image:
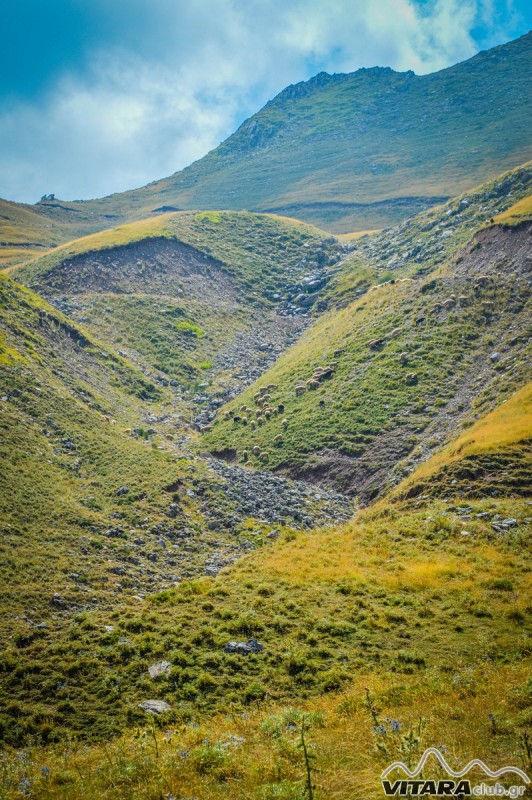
(244, 648)
(160, 668)
(154, 706)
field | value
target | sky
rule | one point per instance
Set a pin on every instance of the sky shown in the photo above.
(99, 96)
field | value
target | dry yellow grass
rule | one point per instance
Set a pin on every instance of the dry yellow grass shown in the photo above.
(115, 237)
(328, 556)
(11, 257)
(345, 237)
(258, 756)
(517, 213)
(508, 424)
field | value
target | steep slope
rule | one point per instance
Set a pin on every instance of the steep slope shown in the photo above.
(205, 301)
(493, 457)
(362, 150)
(112, 518)
(77, 484)
(419, 245)
(374, 388)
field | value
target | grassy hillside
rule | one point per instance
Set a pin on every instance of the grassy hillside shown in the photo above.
(361, 150)
(254, 248)
(27, 231)
(82, 493)
(205, 300)
(403, 629)
(398, 592)
(517, 212)
(406, 628)
(370, 390)
(260, 755)
(102, 500)
(494, 456)
(419, 245)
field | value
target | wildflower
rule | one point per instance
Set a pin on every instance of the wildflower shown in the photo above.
(379, 730)
(394, 724)
(45, 771)
(24, 786)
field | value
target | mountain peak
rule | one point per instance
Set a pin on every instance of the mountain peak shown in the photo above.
(322, 79)
(303, 88)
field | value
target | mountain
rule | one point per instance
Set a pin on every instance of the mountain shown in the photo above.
(346, 152)
(208, 303)
(363, 150)
(264, 490)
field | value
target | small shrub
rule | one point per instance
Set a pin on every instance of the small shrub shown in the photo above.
(501, 585)
(254, 693)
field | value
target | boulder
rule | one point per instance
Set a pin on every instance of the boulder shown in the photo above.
(160, 668)
(154, 706)
(244, 648)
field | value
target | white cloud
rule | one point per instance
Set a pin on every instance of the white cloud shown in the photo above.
(135, 113)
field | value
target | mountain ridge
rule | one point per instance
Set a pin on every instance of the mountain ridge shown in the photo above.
(356, 151)
(265, 125)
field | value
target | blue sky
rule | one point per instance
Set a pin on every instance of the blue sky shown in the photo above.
(98, 96)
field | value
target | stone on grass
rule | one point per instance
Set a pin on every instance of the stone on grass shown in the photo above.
(244, 648)
(154, 706)
(159, 668)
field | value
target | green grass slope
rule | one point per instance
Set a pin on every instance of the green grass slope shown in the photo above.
(404, 367)
(419, 245)
(362, 150)
(27, 231)
(101, 498)
(492, 457)
(189, 296)
(82, 493)
(406, 628)
(405, 595)
(255, 249)
(94, 503)
(65, 455)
